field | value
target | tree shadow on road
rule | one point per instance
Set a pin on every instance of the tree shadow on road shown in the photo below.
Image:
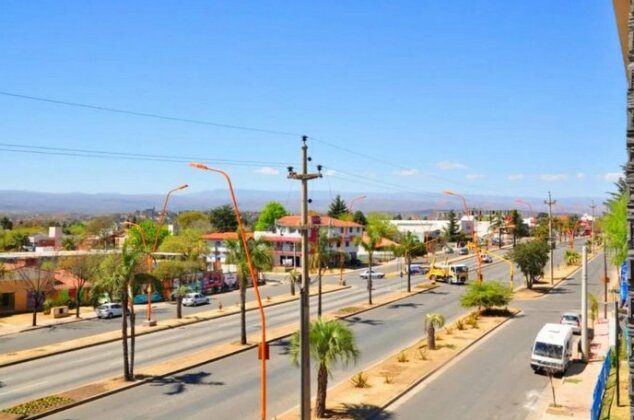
(435, 292)
(179, 383)
(284, 345)
(358, 320)
(361, 411)
(405, 305)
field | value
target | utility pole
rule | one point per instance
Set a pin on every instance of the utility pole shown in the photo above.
(592, 206)
(304, 326)
(584, 303)
(551, 240)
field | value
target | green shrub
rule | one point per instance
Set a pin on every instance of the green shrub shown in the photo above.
(360, 380)
(402, 357)
(486, 295)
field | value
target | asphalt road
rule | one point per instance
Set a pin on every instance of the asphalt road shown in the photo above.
(494, 380)
(229, 388)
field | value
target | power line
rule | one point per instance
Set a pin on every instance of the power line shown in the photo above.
(216, 124)
(148, 114)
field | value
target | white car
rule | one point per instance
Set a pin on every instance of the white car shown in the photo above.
(371, 273)
(109, 310)
(573, 319)
(194, 299)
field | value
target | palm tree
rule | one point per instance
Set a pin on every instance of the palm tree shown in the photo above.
(320, 258)
(294, 278)
(370, 245)
(261, 255)
(330, 342)
(180, 293)
(409, 248)
(124, 281)
(497, 225)
(434, 320)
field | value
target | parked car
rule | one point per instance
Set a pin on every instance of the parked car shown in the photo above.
(109, 310)
(418, 269)
(487, 259)
(573, 319)
(375, 274)
(195, 299)
(142, 298)
(463, 251)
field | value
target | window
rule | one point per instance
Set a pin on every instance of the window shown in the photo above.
(7, 302)
(548, 350)
(347, 243)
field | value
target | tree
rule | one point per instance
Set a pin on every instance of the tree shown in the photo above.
(320, 257)
(6, 223)
(337, 207)
(105, 279)
(102, 228)
(261, 257)
(69, 243)
(531, 257)
(621, 189)
(377, 228)
(486, 295)
(272, 211)
(180, 293)
(497, 225)
(433, 321)
(189, 243)
(223, 219)
(330, 342)
(84, 269)
(615, 229)
(409, 248)
(38, 281)
(452, 231)
(293, 277)
(359, 218)
(125, 277)
(193, 220)
(594, 308)
(518, 228)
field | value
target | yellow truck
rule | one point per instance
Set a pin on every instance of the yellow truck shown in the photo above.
(450, 273)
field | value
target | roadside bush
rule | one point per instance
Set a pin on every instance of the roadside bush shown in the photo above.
(460, 325)
(472, 320)
(402, 357)
(486, 295)
(360, 380)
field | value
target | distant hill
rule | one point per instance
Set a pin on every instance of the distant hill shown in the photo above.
(23, 202)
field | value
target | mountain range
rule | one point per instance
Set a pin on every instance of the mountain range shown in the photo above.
(31, 202)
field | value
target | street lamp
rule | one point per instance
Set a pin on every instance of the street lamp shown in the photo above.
(530, 208)
(474, 237)
(263, 347)
(361, 197)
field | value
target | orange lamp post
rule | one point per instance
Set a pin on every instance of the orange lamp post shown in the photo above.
(474, 237)
(530, 209)
(263, 347)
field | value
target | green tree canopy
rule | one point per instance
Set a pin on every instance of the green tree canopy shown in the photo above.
(193, 220)
(452, 231)
(486, 295)
(531, 257)
(223, 219)
(614, 225)
(337, 207)
(189, 243)
(6, 223)
(272, 211)
(359, 218)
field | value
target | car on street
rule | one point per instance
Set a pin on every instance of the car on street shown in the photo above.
(573, 319)
(463, 251)
(195, 299)
(487, 258)
(109, 310)
(142, 298)
(374, 274)
(418, 269)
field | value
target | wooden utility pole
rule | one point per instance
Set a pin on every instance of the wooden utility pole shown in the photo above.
(304, 326)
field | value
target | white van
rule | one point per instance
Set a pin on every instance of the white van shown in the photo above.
(552, 348)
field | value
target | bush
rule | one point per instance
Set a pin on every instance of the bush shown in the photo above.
(486, 294)
(360, 380)
(402, 357)
(460, 325)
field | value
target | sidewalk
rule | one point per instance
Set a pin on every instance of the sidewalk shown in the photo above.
(22, 322)
(574, 390)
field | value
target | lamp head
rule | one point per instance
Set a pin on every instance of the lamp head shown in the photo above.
(198, 165)
(182, 187)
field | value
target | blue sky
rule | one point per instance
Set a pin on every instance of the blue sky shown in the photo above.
(490, 97)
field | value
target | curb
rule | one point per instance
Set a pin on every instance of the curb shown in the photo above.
(183, 368)
(428, 374)
(156, 329)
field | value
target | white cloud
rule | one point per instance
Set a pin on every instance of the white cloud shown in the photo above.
(472, 177)
(446, 165)
(612, 176)
(580, 175)
(408, 172)
(515, 177)
(329, 172)
(267, 170)
(553, 177)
